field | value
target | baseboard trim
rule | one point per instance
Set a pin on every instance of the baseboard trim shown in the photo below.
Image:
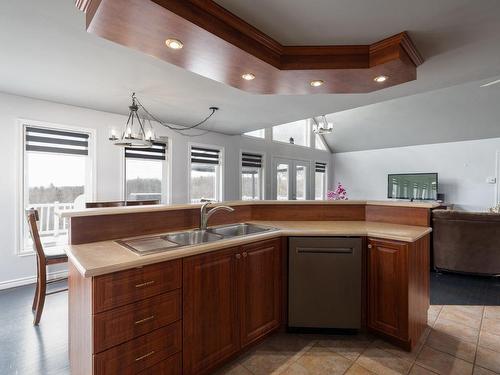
(30, 280)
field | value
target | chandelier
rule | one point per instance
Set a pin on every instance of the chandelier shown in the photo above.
(321, 125)
(139, 131)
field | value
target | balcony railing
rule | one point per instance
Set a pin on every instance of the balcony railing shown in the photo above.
(50, 224)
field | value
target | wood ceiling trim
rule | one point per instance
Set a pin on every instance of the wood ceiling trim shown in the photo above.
(401, 40)
(215, 19)
(222, 46)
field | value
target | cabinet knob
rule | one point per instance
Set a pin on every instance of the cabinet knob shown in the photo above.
(370, 246)
(245, 254)
(238, 256)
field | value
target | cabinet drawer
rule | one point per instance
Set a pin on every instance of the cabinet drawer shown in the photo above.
(120, 288)
(116, 326)
(141, 353)
(170, 366)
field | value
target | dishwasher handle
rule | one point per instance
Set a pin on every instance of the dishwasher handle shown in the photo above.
(325, 250)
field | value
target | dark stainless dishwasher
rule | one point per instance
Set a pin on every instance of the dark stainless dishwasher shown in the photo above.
(324, 289)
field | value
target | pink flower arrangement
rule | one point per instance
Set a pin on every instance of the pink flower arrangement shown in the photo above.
(339, 194)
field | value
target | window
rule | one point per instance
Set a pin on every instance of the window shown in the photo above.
(282, 181)
(297, 133)
(251, 176)
(145, 173)
(206, 174)
(56, 177)
(260, 133)
(301, 181)
(320, 181)
(319, 143)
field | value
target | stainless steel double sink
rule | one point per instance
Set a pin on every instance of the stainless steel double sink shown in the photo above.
(172, 241)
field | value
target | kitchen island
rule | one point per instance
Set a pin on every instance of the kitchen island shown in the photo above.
(191, 309)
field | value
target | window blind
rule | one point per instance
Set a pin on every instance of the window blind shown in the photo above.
(156, 152)
(57, 141)
(202, 155)
(320, 167)
(251, 160)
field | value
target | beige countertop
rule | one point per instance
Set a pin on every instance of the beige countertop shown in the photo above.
(99, 258)
(167, 207)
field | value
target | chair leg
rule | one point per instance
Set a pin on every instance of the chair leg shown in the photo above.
(41, 291)
(35, 297)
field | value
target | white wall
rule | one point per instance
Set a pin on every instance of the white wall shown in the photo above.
(463, 168)
(14, 269)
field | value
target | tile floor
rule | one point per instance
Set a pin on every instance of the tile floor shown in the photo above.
(459, 340)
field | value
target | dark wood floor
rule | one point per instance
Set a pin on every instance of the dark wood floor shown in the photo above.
(25, 349)
(43, 350)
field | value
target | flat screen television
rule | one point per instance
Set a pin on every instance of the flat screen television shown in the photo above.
(412, 186)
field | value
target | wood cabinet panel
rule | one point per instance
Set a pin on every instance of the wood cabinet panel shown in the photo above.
(417, 216)
(170, 366)
(210, 310)
(116, 326)
(418, 287)
(141, 353)
(260, 290)
(388, 287)
(120, 288)
(308, 212)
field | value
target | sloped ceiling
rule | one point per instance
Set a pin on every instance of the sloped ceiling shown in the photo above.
(458, 113)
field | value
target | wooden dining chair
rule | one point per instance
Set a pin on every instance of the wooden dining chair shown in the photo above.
(146, 202)
(104, 204)
(43, 259)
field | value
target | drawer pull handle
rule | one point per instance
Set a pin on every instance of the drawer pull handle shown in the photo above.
(245, 254)
(147, 283)
(145, 320)
(145, 356)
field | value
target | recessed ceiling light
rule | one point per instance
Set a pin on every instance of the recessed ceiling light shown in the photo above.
(248, 76)
(317, 83)
(380, 79)
(174, 43)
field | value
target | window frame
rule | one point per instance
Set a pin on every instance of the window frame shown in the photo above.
(321, 139)
(166, 183)
(263, 172)
(255, 137)
(21, 196)
(220, 179)
(292, 173)
(308, 134)
(325, 179)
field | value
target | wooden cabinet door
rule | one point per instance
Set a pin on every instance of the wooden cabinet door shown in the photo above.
(260, 290)
(388, 287)
(210, 310)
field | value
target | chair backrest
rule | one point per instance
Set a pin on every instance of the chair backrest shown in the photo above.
(104, 204)
(33, 218)
(142, 203)
(121, 203)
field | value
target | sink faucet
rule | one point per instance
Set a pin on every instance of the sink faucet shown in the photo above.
(205, 215)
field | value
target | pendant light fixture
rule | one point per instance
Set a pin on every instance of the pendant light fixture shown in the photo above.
(139, 132)
(321, 125)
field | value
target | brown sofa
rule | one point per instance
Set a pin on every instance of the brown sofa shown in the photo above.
(466, 242)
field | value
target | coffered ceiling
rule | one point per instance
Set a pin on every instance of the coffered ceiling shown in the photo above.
(221, 46)
(47, 54)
